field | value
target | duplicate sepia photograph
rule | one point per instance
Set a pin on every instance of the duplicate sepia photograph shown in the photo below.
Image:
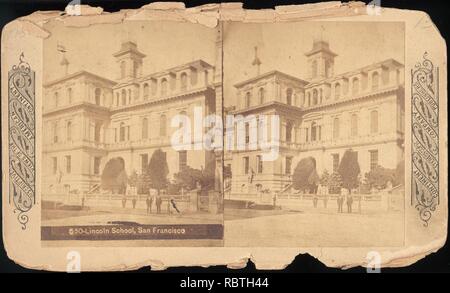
(337, 91)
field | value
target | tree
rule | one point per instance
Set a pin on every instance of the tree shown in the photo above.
(303, 177)
(335, 183)
(379, 177)
(349, 170)
(189, 177)
(133, 179)
(158, 170)
(114, 176)
(325, 178)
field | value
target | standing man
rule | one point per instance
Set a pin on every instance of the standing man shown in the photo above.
(349, 202)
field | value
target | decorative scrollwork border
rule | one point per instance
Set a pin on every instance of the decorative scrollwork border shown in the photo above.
(22, 139)
(425, 138)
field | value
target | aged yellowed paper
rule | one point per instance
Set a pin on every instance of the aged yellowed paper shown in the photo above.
(167, 136)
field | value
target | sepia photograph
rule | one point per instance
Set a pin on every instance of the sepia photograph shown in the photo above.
(322, 110)
(110, 169)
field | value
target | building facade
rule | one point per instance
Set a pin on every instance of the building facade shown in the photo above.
(89, 119)
(321, 116)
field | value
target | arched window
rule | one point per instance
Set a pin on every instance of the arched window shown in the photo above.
(355, 85)
(122, 69)
(122, 131)
(144, 128)
(354, 125)
(337, 91)
(146, 91)
(206, 77)
(320, 96)
(248, 97)
(97, 94)
(313, 131)
(327, 69)
(336, 128)
(69, 130)
(314, 69)
(183, 81)
(309, 99)
(375, 80)
(163, 87)
(154, 84)
(194, 77)
(129, 96)
(117, 99)
(69, 96)
(374, 121)
(124, 97)
(183, 114)
(56, 99)
(289, 96)
(315, 98)
(162, 125)
(261, 95)
(289, 127)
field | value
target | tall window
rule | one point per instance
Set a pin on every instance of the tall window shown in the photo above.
(144, 163)
(248, 97)
(55, 132)
(259, 164)
(337, 91)
(246, 165)
(288, 166)
(314, 69)
(309, 99)
(124, 97)
(314, 131)
(144, 128)
(56, 99)
(183, 81)
(354, 125)
(68, 164)
(374, 121)
(289, 127)
(162, 125)
(146, 91)
(97, 161)
(98, 127)
(335, 162)
(97, 94)
(69, 130)
(122, 132)
(69, 96)
(129, 96)
(261, 95)
(163, 87)
(122, 69)
(54, 165)
(182, 160)
(315, 97)
(373, 159)
(289, 96)
(336, 128)
(117, 99)
(355, 86)
(247, 132)
(375, 80)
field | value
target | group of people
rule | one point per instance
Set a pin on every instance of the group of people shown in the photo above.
(153, 198)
